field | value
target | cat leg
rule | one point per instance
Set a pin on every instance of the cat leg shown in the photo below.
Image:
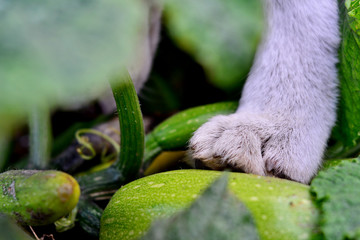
(288, 104)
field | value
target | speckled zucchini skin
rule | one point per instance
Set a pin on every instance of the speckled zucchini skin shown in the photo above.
(175, 132)
(282, 209)
(36, 198)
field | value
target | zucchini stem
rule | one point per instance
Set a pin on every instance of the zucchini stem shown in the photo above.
(131, 126)
(40, 137)
(4, 150)
(128, 164)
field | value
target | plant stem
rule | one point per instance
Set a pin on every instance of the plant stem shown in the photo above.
(131, 126)
(40, 137)
(4, 145)
(127, 166)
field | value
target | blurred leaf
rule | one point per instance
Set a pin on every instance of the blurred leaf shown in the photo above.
(62, 52)
(337, 191)
(9, 230)
(348, 128)
(221, 35)
(215, 215)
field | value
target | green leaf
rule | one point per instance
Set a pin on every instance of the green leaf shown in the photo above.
(217, 214)
(221, 35)
(348, 129)
(9, 230)
(62, 52)
(337, 192)
(335, 162)
(353, 8)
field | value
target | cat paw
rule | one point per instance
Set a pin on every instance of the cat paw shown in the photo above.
(255, 144)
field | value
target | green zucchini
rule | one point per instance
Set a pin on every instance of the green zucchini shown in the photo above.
(282, 209)
(175, 132)
(37, 198)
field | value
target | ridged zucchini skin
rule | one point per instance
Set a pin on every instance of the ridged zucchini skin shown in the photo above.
(128, 163)
(35, 198)
(89, 216)
(131, 127)
(175, 132)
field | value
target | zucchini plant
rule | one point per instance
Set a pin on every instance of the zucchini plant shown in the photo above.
(129, 160)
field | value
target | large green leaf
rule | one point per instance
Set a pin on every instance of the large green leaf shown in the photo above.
(221, 34)
(348, 128)
(337, 192)
(217, 214)
(61, 52)
(9, 230)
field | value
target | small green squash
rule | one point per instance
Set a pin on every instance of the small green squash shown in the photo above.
(35, 198)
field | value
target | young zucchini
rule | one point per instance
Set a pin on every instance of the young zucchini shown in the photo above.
(36, 198)
(174, 133)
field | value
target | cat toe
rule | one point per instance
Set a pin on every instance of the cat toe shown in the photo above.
(224, 143)
(253, 144)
